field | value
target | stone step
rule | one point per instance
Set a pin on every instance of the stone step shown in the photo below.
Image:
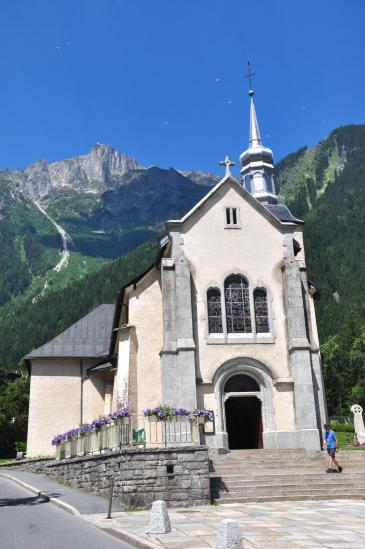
(263, 451)
(253, 463)
(281, 464)
(273, 459)
(257, 471)
(326, 479)
(292, 497)
(259, 475)
(260, 471)
(286, 488)
(284, 452)
(284, 467)
(323, 481)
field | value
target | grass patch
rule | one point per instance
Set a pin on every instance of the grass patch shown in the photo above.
(343, 427)
(345, 440)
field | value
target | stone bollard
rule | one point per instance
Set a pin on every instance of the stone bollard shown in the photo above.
(159, 519)
(229, 535)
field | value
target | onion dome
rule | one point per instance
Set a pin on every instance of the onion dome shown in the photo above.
(257, 163)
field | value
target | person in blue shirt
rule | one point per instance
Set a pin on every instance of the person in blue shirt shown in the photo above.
(330, 442)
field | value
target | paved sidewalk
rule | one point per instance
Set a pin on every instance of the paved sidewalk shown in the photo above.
(332, 524)
(83, 502)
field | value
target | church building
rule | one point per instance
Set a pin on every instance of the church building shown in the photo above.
(223, 320)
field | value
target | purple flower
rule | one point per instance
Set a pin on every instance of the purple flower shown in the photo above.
(206, 414)
(181, 412)
(57, 440)
(98, 423)
(123, 412)
(164, 412)
(95, 425)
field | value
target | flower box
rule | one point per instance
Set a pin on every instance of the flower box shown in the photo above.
(80, 446)
(91, 437)
(122, 420)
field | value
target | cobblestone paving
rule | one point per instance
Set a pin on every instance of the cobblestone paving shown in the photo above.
(333, 524)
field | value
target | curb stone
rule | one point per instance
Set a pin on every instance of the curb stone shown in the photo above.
(123, 535)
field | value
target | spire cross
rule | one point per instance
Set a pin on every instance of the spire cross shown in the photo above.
(249, 74)
(227, 163)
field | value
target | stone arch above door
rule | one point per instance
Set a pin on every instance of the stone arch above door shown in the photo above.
(259, 372)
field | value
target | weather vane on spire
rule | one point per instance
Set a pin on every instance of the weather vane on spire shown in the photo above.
(249, 75)
(227, 163)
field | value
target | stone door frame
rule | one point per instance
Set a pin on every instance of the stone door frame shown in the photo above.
(263, 377)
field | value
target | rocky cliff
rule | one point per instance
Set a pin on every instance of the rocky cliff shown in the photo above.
(96, 171)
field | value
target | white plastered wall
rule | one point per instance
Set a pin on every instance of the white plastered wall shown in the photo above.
(55, 400)
(145, 315)
(93, 397)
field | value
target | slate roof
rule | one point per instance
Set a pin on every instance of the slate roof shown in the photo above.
(282, 213)
(88, 337)
(101, 367)
(277, 214)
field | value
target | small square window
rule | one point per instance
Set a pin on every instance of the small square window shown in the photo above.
(232, 218)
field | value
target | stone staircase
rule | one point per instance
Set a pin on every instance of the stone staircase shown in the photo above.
(282, 475)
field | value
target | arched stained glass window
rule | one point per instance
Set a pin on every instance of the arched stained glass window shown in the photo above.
(237, 301)
(214, 311)
(261, 312)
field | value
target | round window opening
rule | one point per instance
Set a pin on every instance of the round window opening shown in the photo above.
(240, 384)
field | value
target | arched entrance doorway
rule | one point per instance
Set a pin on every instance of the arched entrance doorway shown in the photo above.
(243, 412)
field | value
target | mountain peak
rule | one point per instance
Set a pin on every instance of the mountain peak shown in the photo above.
(102, 148)
(103, 164)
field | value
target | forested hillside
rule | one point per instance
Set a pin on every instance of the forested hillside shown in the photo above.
(326, 187)
(29, 325)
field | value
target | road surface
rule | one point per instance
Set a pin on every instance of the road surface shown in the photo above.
(28, 521)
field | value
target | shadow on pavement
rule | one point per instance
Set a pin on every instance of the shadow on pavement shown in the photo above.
(51, 494)
(12, 502)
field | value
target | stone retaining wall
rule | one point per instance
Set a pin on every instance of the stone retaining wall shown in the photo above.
(179, 476)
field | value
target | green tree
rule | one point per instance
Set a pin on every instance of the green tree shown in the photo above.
(14, 402)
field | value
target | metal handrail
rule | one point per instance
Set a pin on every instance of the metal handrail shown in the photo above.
(135, 431)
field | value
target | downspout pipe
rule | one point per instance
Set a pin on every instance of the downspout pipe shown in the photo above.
(82, 379)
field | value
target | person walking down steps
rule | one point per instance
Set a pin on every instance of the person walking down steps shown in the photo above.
(330, 442)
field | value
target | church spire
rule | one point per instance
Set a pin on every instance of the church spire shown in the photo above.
(255, 139)
(257, 161)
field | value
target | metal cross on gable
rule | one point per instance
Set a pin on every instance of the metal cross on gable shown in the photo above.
(227, 163)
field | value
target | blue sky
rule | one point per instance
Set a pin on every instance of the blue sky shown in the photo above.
(163, 79)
